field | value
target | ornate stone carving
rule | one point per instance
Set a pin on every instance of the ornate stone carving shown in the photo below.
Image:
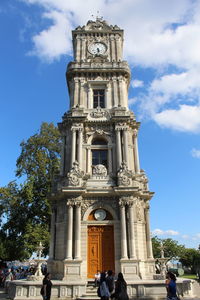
(75, 174)
(144, 180)
(121, 126)
(124, 175)
(99, 170)
(139, 210)
(74, 201)
(99, 113)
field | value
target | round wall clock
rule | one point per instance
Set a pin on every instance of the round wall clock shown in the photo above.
(100, 214)
(97, 48)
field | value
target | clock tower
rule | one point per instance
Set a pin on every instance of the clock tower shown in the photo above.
(100, 203)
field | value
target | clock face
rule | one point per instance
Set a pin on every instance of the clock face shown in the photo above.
(100, 214)
(97, 48)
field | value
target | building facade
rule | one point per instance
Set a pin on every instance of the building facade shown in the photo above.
(100, 203)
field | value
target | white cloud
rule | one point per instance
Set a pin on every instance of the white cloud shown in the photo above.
(185, 236)
(171, 232)
(132, 101)
(46, 46)
(186, 118)
(137, 83)
(165, 232)
(157, 232)
(195, 153)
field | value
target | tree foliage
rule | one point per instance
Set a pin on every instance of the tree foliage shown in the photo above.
(190, 258)
(25, 208)
(172, 249)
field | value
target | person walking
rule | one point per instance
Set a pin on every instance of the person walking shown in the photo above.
(171, 286)
(103, 288)
(46, 287)
(120, 288)
(110, 281)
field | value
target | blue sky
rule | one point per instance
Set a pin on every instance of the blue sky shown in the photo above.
(162, 46)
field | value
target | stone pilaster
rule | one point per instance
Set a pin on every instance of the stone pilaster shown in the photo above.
(80, 142)
(119, 147)
(115, 92)
(76, 92)
(131, 230)
(109, 160)
(123, 230)
(125, 138)
(69, 230)
(136, 153)
(77, 242)
(148, 233)
(52, 242)
(73, 153)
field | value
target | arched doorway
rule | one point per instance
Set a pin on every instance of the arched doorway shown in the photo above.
(100, 245)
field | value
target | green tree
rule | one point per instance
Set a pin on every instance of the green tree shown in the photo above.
(25, 209)
(172, 249)
(190, 258)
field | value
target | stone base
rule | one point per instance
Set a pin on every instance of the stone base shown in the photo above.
(137, 289)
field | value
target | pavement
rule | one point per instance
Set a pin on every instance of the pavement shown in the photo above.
(4, 296)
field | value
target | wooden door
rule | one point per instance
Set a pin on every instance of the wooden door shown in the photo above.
(100, 249)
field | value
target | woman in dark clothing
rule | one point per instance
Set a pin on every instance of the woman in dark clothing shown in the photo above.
(171, 286)
(104, 292)
(120, 288)
(47, 284)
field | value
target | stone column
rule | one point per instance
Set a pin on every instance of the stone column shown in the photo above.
(115, 92)
(109, 159)
(78, 48)
(119, 148)
(118, 49)
(148, 233)
(121, 95)
(131, 230)
(125, 94)
(136, 154)
(125, 137)
(83, 49)
(113, 49)
(80, 142)
(73, 153)
(123, 230)
(63, 154)
(69, 230)
(52, 243)
(90, 99)
(88, 160)
(81, 100)
(77, 245)
(76, 92)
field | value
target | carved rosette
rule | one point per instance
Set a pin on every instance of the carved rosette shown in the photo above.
(75, 175)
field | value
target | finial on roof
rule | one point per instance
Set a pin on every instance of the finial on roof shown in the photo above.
(98, 17)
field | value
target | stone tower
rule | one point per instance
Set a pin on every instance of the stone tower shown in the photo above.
(100, 204)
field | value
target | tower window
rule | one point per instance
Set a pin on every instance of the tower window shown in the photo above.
(99, 98)
(99, 157)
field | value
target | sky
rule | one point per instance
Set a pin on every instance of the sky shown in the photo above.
(162, 46)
